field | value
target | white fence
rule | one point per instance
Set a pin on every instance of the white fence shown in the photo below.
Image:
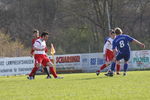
(15, 65)
(89, 62)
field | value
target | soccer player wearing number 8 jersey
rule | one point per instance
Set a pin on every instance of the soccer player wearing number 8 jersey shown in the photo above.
(121, 42)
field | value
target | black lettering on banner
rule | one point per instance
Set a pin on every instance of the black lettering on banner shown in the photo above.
(5, 70)
(1, 62)
(15, 69)
(24, 69)
(19, 62)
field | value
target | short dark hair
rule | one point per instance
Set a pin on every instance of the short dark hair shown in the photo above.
(35, 31)
(44, 34)
(111, 31)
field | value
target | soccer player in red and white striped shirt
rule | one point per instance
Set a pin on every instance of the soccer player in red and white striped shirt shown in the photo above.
(35, 37)
(41, 57)
(108, 53)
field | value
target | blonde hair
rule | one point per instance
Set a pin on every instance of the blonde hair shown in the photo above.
(118, 31)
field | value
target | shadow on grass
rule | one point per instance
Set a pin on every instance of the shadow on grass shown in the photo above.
(93, 78)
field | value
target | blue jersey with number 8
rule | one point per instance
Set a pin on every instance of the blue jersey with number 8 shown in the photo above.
(121, 42)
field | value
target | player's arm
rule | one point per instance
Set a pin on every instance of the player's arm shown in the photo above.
(105, 47)
(114, 50)
(104, 50)
(31, 53)
(130, 39)
(139, 43)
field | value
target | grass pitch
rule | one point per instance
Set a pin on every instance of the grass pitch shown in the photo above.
(84, 86)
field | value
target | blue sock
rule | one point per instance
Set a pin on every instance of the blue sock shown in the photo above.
(113, 66)
(125, 67)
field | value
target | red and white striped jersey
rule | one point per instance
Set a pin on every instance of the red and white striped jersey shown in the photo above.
(108, 45)
(33, 41)
(39, 44)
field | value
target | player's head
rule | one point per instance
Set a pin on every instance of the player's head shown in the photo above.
(112, 33)
(35, 33)
(44, 35)
(118, 31)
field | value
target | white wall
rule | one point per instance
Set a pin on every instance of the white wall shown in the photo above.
(88, 62)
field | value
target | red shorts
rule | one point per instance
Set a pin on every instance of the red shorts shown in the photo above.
(109, 55)
(42, 59)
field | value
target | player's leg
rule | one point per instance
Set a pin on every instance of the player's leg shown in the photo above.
(112, 69)
(118, 68)
(33, 72)
(107, 73)
(118, 58)
(125, 68)
(108, 58)
(48, 63)
(52, 70)
(47, 72)
(110, 72)
(113, 65)
(37, 63)
(126, 59)
(102, 67)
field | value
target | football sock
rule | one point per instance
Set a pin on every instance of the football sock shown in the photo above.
(46, 71)
(117, 68)
(33, 71)
(53, 71)
(125, 67)
(103, 66)
(113, 66)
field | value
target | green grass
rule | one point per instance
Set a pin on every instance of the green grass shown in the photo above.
(84, 86)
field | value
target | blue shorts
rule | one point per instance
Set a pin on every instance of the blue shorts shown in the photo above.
(120, 56)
